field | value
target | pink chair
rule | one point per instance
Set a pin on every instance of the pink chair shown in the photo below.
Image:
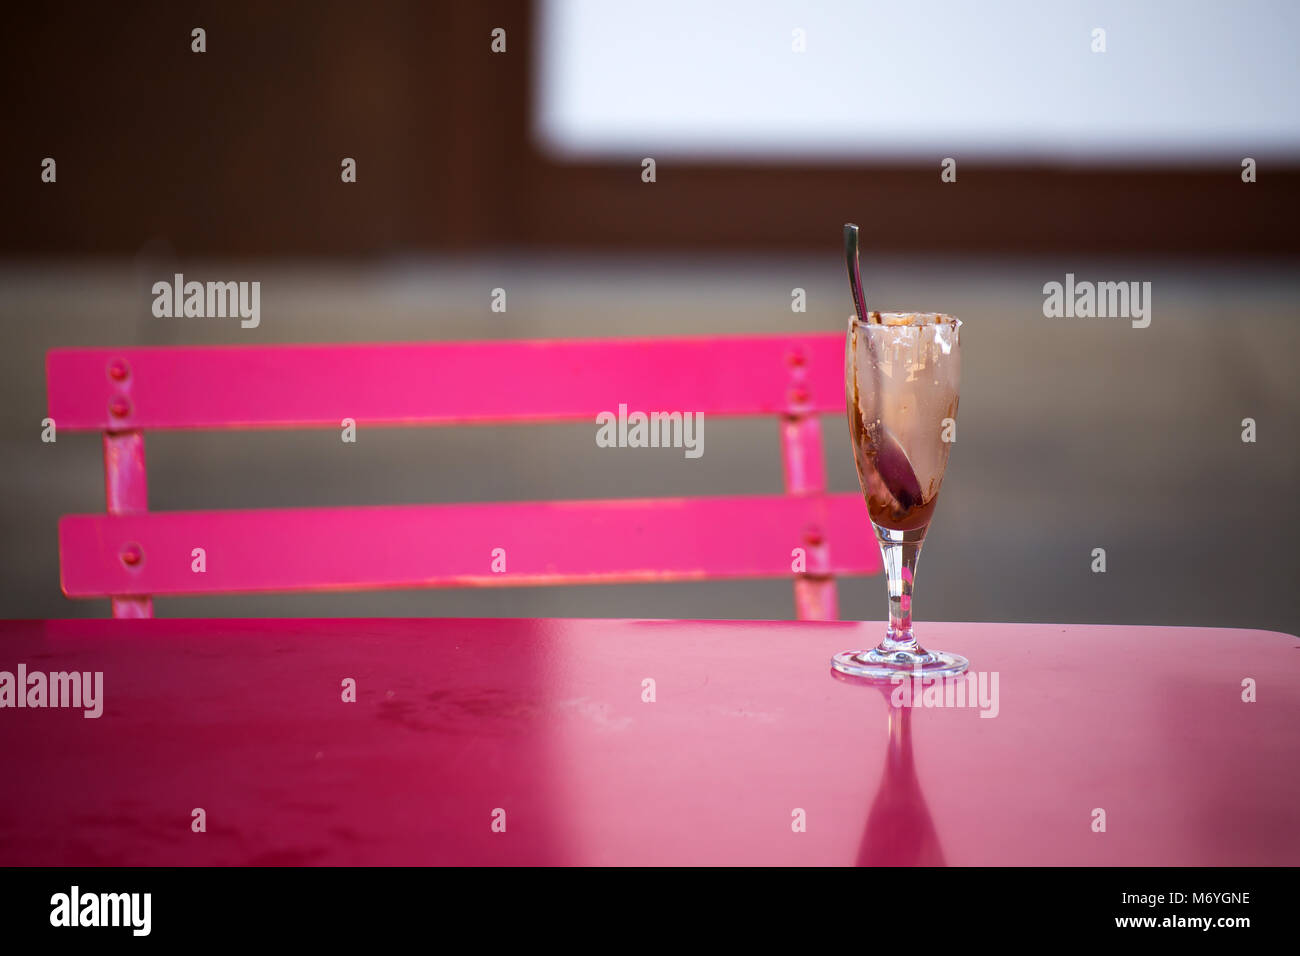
(130, 553)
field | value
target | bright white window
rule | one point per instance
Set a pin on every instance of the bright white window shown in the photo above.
(1179, 81)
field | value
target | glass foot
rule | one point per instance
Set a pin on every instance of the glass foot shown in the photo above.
(878, 664)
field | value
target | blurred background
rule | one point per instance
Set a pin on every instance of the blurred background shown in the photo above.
(771, 124)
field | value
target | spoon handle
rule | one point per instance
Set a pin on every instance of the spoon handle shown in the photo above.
(864, 317)
(855, 275)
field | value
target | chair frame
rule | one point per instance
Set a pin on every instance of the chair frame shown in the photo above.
(123, 392)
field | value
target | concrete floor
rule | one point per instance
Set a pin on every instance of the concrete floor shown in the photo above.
(1074, 433)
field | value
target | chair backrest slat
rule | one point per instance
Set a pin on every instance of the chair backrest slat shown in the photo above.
(438, 383)
(657, 539)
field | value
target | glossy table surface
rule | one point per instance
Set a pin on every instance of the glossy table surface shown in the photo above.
(646, 742)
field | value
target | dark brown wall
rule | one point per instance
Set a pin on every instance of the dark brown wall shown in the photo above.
(236, 152)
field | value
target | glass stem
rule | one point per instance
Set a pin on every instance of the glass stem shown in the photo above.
(900, 551)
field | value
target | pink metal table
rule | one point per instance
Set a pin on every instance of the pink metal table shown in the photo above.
(645, 742)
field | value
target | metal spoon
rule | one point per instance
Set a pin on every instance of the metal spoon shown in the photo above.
(892, 464)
